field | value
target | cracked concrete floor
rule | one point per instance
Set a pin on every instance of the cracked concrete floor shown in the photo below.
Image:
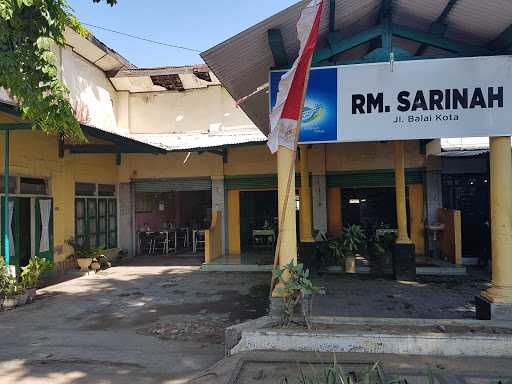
(133, 323)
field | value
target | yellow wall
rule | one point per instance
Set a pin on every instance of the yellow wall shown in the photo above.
(371, 155)
(146, 166)
(417, 220)
(35, 154)
(234, 222)
(257, 160)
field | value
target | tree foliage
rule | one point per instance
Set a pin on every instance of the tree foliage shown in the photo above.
(109, 2)
(29, 29)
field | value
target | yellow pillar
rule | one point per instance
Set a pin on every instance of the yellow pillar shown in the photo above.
(287, 221)
(233, 222)
(501, 221)
(401, 208)
(416, 204)
(334, 214)
(306, 225)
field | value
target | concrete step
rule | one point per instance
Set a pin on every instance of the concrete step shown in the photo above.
(393, 336)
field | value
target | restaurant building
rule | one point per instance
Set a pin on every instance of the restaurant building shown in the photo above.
(437, 59)
(169, 148)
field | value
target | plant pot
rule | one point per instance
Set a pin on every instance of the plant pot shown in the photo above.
(95, 266)
(9, 303)
(21, 299)
(31, 293)
(306, 308)
(350, 264)
(84, 263)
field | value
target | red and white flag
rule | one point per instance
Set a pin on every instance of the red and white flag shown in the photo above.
(285, 115)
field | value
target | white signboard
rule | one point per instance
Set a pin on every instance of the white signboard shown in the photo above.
(418, 99)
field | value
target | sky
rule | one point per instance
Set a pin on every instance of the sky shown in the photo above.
(197, 24)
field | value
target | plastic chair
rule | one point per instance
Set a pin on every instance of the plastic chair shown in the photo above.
(161, 242)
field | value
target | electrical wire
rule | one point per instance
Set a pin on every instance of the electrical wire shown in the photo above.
(143, 38)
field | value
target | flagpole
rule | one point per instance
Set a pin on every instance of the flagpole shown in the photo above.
(291, 174)
(286, 114)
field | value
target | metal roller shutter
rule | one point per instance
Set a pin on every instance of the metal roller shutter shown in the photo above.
(254, 182)
(377, 178)
(177, 184)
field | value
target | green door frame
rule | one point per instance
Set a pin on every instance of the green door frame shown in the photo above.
(7, 127)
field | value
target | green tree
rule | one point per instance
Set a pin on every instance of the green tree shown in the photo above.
(28, 30)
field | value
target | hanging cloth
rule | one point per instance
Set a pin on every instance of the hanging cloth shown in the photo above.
(12, 249)
(45, 207)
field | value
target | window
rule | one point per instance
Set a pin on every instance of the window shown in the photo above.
(32, 186)
(144, 202)
(106, 190)
(112, 223)
(102, 223)
(80, 221)
(96, 217)
(12, 184)
(85, 189)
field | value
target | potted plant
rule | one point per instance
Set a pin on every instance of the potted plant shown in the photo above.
(7, 287)
(381, 248)
(20, 295)
(85, 254)
(31, 274)
(294, 284)
(9, 294)
(347, 246)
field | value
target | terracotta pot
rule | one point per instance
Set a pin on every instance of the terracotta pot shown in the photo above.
(95, 266)
(21, 299)
(84, 263)
(350, 264)
(9, 303)
(31, 293)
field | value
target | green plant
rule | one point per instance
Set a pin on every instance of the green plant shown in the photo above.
(335, 374)
(354, 239)
(350, 242)
(103, 261)
(31, 274)
(85, 250)
(294, 284)
(382, 246)
(29, 32)
(7, 282)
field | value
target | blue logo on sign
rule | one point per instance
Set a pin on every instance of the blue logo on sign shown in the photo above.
(312, 113)
(320, 114)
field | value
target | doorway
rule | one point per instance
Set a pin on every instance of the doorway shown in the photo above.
(23, 231)
(371, 208)
(469, 193)
(258, 226)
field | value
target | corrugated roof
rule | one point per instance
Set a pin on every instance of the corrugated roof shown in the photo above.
(199, 140)
(242, 62)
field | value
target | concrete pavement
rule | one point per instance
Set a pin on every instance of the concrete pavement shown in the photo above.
(137, 324)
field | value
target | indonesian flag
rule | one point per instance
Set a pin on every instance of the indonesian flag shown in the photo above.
(287, 112)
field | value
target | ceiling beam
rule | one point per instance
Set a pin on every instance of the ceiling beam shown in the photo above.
(101, 148)
(332, 15)
(275, 42)
(384, 16)
(438, 27)
(503, 42)
(437, 41)
(341, 45)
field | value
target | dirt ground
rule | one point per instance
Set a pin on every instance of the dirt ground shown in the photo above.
(162, 320)
(430, 297)
(138, 323)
